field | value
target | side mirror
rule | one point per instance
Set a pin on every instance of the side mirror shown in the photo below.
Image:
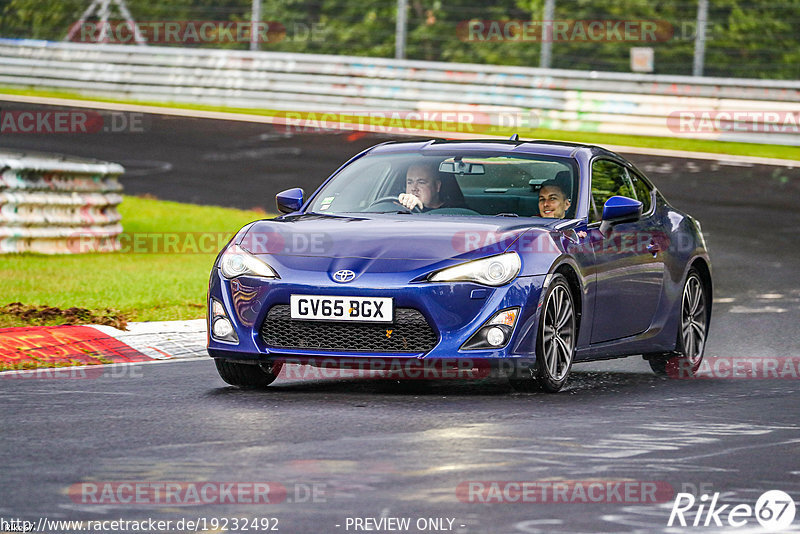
(619, 209)
(289, 200)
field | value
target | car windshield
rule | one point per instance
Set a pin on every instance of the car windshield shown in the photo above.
(454, 183)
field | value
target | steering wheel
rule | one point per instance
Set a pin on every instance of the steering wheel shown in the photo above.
(394, 199)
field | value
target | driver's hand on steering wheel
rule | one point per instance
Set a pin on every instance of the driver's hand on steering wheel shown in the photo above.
(409, 201)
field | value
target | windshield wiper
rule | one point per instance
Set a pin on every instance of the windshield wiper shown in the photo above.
(506, 215)
(403, 212)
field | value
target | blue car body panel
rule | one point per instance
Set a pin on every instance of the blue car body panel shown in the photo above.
(628, 297)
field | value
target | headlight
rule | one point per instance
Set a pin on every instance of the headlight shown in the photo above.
(238, 262)
(491, 271)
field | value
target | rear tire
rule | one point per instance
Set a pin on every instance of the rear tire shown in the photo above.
(243, 375)
(555, 342)
(692, 332)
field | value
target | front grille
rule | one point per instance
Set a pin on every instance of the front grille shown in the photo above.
(409, 332)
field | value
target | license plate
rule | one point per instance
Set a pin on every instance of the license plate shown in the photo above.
(332, 308)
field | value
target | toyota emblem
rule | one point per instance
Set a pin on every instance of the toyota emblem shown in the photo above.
(343, 276)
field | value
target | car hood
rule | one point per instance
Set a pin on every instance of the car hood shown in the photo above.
(425, 238)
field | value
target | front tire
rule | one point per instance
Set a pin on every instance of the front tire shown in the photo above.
(243, 375)
(555, 342)
(692, 332)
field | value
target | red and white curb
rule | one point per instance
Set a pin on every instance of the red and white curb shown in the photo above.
(163, 340)
(59, 346)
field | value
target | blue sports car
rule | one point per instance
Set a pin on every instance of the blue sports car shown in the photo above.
(528, 255)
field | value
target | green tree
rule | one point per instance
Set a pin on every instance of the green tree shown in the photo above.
(746, 38)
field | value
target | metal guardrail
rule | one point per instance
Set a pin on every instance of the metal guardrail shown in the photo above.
(559, 99)
(56, 205)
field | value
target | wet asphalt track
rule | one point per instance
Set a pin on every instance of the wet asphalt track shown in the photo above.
(378, 448)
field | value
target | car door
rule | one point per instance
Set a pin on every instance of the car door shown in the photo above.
(629, 261)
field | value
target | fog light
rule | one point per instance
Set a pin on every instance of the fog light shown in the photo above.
(494, 333)
(222, 328)
(495, 336)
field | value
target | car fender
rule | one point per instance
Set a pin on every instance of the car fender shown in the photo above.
(547, 254)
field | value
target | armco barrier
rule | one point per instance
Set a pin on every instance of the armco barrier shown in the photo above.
(49, 203)
(560, 99)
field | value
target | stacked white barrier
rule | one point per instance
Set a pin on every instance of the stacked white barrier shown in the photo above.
(55, 205)
(607, 102)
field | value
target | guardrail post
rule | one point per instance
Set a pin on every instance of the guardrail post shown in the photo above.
(255, 17)
(700, 38)
(546, 53)
(400, 30)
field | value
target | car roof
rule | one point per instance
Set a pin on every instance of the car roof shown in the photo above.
(538, 146)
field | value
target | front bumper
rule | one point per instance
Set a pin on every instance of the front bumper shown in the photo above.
(454, 311)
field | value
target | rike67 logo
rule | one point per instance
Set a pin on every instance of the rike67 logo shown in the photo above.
(774, 510)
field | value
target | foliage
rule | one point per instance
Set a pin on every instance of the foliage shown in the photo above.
(138, 284)
(746, 38)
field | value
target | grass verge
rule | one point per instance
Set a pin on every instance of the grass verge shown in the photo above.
(685, 144)
(136, 284)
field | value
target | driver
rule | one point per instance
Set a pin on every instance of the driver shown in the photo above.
(553, 202)
(423, 185)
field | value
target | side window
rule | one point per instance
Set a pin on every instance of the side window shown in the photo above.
(608, 179)
(644, 193)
